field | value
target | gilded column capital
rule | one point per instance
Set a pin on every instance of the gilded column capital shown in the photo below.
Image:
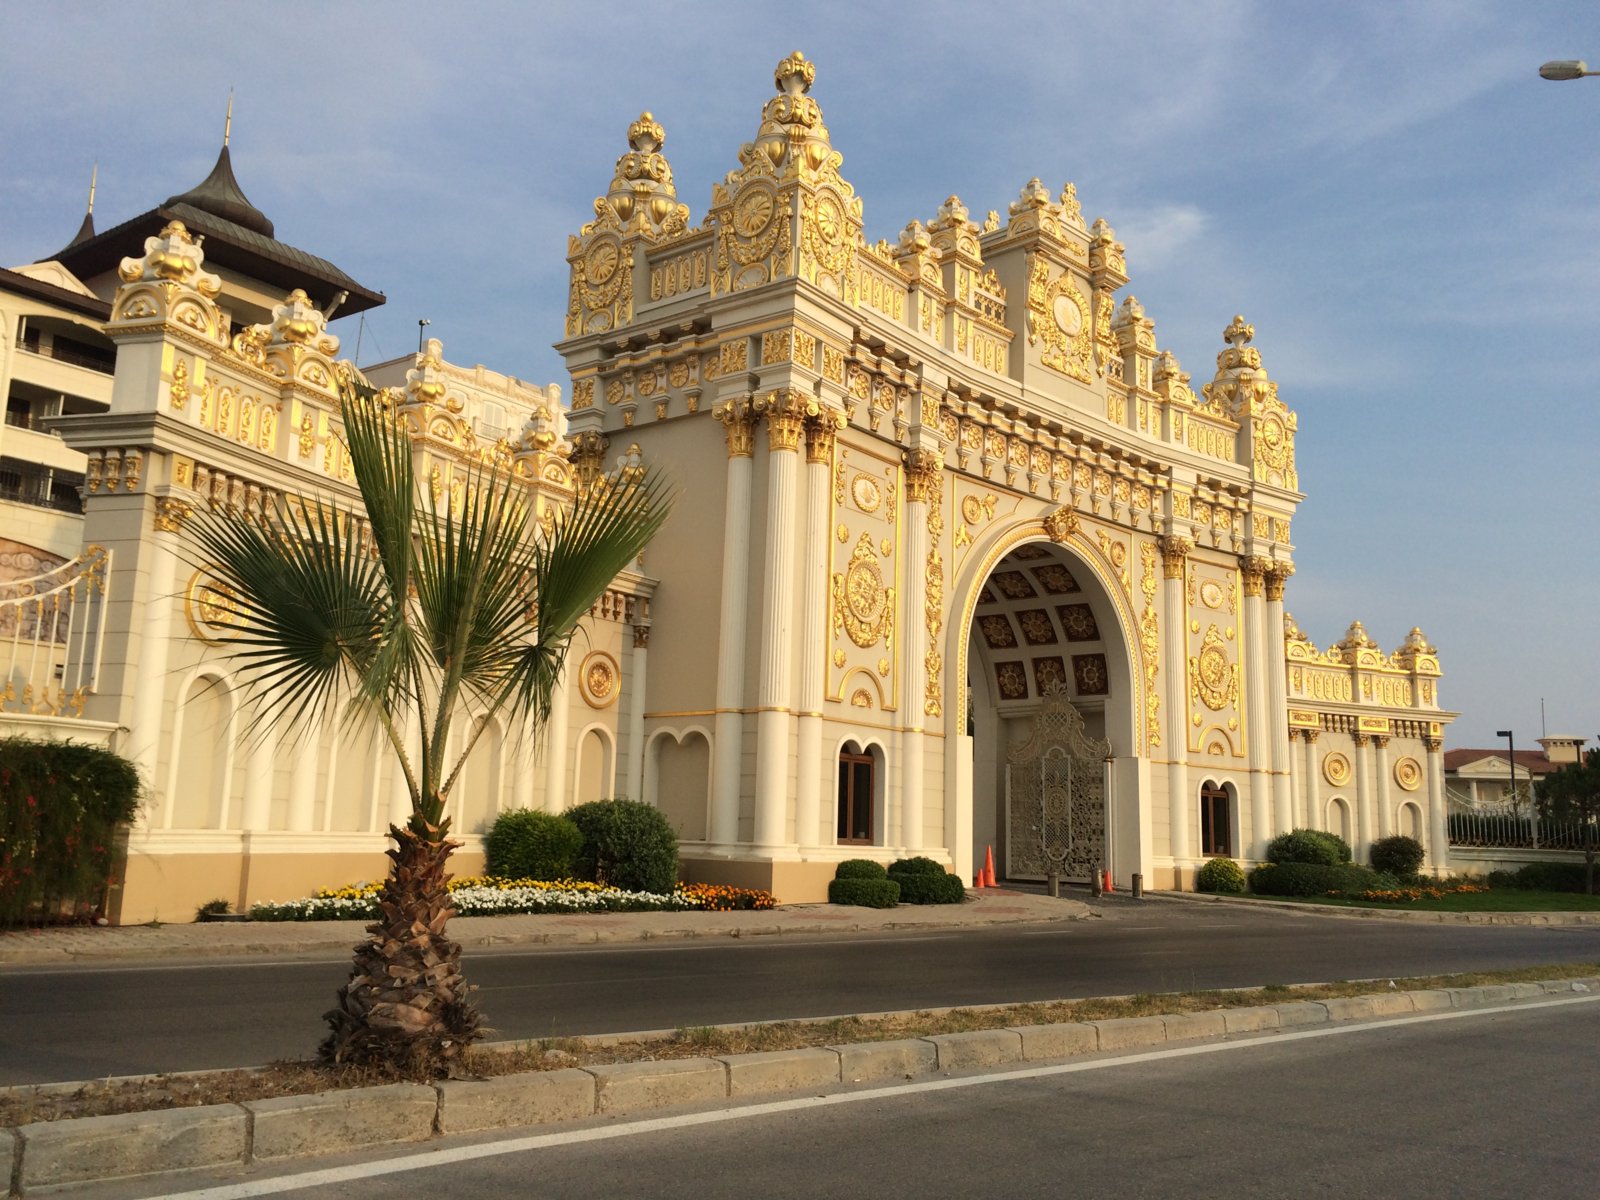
(171, 513)
(641, 635)
(1433, 745)
(1174, 553)
(821, 434)
(1360, 739)
(738, 423)
(588, 457)
(1381, 741)
(1254, 571)
(786, 411)
(1277, 575)
(923, 468)
(1311, 735)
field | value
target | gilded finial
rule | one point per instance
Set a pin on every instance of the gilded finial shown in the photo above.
(646, 135)
(794, 74)
(94, 175)
(1238, 333)
(227, 121)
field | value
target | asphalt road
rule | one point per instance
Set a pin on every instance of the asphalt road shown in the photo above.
(59, 1024)
(1475, 1105)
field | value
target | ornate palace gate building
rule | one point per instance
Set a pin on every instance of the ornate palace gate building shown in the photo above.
(932, 487)
(961, 558)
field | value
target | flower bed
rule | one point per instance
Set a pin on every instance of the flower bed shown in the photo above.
(1406, 895)
(486, 896)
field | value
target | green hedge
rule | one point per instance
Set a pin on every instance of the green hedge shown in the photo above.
(527, 844)
(627, 845)
(1549, 877)
(1221, 875)
(860, 868)
(1399, 855)
(1308, 846)
(923, 881)
(867, 893)
(60, 805)
(1313, 879)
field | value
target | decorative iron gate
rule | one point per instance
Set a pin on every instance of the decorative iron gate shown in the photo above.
(1056, 796)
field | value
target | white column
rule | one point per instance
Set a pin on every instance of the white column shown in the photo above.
(555, 780)
(1438, 826)
(1363, 797)
(307, 736)
(1258, 736)
(1277, 667)
(1380, 772)
(727, 766)
(262, 751)
(519, 759)
(641, 655)
(775, 687)
(150, 679)
(1312, 801)
(820, 439)
(1180, 809)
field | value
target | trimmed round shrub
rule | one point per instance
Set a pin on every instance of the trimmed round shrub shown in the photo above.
(860, 868)
(627, 845)
(1399, 855)
(920, 865)
(525, 844)
(1313, 879)
(923, 881)
(1221, 875)
(865, 893)
(1308, 846)
(1501, 880)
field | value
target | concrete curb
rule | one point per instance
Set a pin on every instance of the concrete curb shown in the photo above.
(292, 938)
(172, 1141)
(1387, 914)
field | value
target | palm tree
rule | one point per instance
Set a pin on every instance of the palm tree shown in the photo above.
(427, 612)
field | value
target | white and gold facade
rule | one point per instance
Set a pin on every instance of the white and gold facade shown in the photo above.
(929, 490)
(928, 483)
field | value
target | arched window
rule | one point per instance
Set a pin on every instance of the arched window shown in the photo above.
(857, 784)
(1216, 820)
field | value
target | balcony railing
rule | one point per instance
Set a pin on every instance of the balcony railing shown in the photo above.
(66, 354)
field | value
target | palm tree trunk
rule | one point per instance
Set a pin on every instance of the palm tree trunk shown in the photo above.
(406, 1006)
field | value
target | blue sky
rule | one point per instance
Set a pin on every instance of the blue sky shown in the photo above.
(1408, 215)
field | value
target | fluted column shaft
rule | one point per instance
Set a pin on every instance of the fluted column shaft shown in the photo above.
(262, 750)
(1174, 557)
(1258, 736)
(774, 716)
(1313, 803)
(1438, 824)
(1277, 667)
(1363, 797)
(820, 441)
(923, 470)
(556, 739)
(1380, 774)
(636, 685)
(150, 681)
(727, 766)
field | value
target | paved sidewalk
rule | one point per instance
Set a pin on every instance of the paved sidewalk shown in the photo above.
(991, 906)
(1424, 916)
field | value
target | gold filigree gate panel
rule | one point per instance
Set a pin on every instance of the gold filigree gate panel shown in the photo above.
(863, 599)
(1055, 796)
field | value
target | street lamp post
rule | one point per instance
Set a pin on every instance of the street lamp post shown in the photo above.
(1511, 795)
(1563, 69)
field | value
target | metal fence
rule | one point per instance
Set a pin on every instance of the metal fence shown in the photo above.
(51, 629)
(1514, 831)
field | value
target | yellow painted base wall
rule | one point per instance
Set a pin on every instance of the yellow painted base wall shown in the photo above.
(789, 882)
(170, 887)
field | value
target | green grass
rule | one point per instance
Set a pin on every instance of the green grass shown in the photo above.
(1507, 900)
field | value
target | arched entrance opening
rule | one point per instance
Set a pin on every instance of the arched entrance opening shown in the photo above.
(1045, 739)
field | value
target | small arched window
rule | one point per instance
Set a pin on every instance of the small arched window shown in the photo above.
(856, 786)
(1216, 824)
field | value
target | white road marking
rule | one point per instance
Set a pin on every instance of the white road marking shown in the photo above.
(543, 1141)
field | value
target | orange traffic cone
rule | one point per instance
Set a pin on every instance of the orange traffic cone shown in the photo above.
(977, 877)
(988, 868)
(1106, 882)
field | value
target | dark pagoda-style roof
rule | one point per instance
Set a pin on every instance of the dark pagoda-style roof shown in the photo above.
(237, 235)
